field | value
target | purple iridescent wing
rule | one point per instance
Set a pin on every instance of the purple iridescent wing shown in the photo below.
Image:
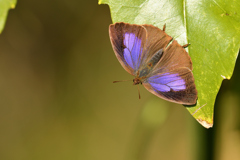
(172, 78)
(174, 86)
(128, 43)
(135, 44)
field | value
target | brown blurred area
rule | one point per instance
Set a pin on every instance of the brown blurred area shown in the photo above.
(57, 99)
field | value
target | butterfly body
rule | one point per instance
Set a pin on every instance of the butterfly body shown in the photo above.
(164, 69)
(147, 68)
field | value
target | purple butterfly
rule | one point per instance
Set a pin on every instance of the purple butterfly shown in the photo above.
(164, 71)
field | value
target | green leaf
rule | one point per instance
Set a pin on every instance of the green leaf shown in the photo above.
(212, 27)
(5, 5)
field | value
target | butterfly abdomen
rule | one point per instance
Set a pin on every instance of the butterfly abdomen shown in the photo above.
(156, 57)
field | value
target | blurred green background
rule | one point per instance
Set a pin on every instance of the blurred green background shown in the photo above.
(58, 100)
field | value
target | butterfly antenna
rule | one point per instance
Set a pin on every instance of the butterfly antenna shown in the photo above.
(139, 92)
(121, 81)
(186, 45)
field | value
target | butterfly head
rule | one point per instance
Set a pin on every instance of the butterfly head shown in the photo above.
(136, 81)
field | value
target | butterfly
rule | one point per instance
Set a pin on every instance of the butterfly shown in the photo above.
(157, 61)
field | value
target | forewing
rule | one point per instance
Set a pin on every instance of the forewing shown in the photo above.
(128, 42)
(174, 86)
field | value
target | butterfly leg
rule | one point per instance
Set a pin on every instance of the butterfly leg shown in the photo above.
(186, 45)
(164, 27)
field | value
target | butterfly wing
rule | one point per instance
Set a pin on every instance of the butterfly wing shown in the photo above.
(174, 56)
(172, 78)
(174, 86)
(128, 43)
(135, 44)
(156, 39)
